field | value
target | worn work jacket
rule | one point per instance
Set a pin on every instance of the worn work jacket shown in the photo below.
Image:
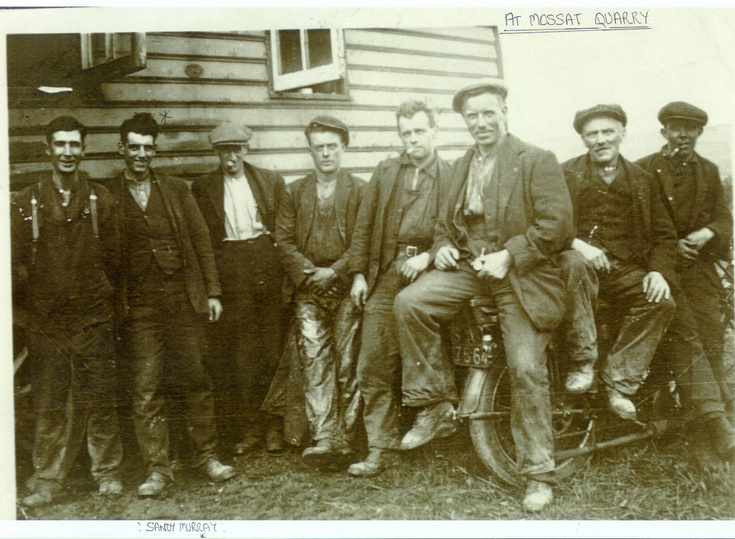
(192, 236)
(373, 248)
(654, 244)
(295, 217)
(709, 207)
(267, 187)
(533, 215)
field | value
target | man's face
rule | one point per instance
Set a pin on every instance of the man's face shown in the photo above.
(603, 136)
(682, 136)
(66, 151)
(485, 116)
(232, 157)
(417, 135)
(326, 150)
(138, 152)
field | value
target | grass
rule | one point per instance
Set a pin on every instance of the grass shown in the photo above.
(444, 480)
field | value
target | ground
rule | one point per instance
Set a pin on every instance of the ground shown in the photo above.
(444, 480)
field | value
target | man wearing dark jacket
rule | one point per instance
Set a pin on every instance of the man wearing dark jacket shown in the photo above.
(695, 200)
(504, 216)
(170, 289)
(390, 249)
(65, 252)
(624, 231)
(239, 203)
(315, 223)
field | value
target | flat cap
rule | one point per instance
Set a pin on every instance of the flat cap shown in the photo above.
(679, 110)
(615, 112)
(230, 133)
(495, 86)
(330, 123)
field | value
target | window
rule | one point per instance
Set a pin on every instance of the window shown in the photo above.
(42, 64)
(308, 61)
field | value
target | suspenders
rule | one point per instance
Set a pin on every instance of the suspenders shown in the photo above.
(35, 222)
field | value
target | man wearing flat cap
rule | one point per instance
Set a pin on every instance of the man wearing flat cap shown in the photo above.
(390, 249)
(505, 214)
(623, 232)
(314, 228)
(695, 200)
(239, 203)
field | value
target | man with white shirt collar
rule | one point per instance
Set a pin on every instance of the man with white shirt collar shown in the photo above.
(239, 202)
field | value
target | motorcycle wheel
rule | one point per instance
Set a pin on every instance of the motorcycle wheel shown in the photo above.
(493, 439)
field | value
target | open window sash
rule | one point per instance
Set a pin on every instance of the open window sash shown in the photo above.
(307, 75)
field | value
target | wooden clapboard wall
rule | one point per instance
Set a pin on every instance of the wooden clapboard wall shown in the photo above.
(384, 68)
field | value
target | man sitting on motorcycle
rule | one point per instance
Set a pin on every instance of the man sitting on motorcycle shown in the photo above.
(625, 233)
(505, 215)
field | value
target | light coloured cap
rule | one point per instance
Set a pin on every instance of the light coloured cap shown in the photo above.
(230, 133)
(495, 86)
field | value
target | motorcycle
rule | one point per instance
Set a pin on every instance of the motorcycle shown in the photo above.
(582, 423)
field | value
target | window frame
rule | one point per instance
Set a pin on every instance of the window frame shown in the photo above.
(291, 83)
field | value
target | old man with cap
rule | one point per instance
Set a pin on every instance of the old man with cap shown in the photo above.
(239, 203)
(505, 214)
(622, 230)
(314, 229)
(695, 200)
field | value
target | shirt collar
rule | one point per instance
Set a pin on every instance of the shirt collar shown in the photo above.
(432, 168)
(133, 181)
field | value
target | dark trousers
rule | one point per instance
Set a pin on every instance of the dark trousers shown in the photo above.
(327, 342)
(379, 363)
(74, 381)
(166, 344)
(643, 323)
(245, 344)
(428, 374)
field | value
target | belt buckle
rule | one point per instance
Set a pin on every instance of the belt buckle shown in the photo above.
(412, 250)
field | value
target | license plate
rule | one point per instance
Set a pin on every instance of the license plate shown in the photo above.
(470, 356)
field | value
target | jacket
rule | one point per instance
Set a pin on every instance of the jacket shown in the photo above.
(373, 249)
(192, 237)
(654, 245)
(267, 187)
(295, 216)
(533, 216)
(709, 205)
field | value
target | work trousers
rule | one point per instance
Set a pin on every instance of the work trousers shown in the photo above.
(428, 374)
(328, 344)
(74, 383)
(245, 344)
(379, 362)
(643, 323)
(165, 343)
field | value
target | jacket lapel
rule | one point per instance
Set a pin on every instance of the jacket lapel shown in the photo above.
(307, 205)
(507, 172)
(458, 189)
(216, 193)
(255, 186)
(700, 195)
(342, 193)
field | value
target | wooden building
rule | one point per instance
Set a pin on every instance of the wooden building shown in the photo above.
(273, 81)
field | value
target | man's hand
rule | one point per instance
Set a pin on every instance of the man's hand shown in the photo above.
(215, 309)
(686, 250)
(446, 258)
(496, 265)
(655, 287)
(698, 238)
(358, 293)
(595, 256)
(320, 279)
(413, 267)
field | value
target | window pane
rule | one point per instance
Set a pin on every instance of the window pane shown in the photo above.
(320, 47)
(290, 51)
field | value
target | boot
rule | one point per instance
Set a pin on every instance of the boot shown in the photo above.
(435, 421)
(538, 496)
(377, 462)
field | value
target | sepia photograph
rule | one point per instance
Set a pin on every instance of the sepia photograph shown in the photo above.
(327, 272)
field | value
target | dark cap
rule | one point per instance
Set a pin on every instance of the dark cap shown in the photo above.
(679, 110)
(330, 123)
(494, 86)
(230, 133)
(615, 112)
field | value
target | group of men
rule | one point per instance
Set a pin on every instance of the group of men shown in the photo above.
(372, 273)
